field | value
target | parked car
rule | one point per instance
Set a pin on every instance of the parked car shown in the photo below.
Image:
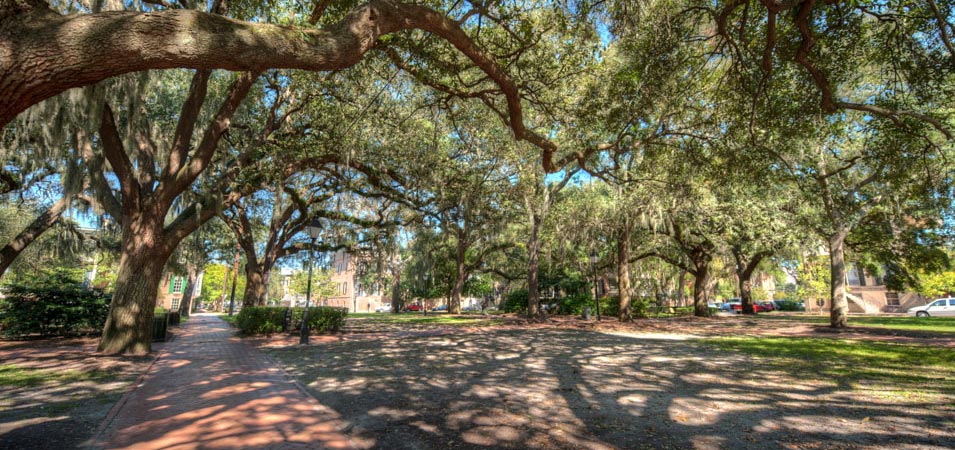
(768, 306)
(384, 307)
(940, 307)
(440, 308)
(729, 306)
(738, 307)
(471, 308)
(413, 307)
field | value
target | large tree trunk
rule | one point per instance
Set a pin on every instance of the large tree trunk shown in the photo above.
(460, 277)
(623, 274)
(396, 291)
(128, 327)
(680, 288)
(256, 284)
(533, 265)
(29, 234)
(839, 305)
(744, 274)
(699, 291)
(185, 306)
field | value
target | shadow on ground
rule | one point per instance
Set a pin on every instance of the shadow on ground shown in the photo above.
(54, 393)
(565, 388)
(210, 390)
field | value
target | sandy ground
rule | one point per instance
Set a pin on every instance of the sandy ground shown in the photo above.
(558, 384)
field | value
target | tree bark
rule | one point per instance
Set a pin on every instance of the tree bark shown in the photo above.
(623, 273)
(396, 291)
(680, 291)
(699, 290)
(43, 53)
(460, 276)
(745, 267)
(33, 231)
(533, 266)
(185, 306)
(128, 327)
(839, 304)
(256, 284)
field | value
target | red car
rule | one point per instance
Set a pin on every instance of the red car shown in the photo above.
(413, 307)
(756, 308)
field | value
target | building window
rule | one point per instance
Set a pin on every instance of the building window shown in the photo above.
(174, 306)
(339, 267)
(344, 288)
(176, 285)
(892, 298)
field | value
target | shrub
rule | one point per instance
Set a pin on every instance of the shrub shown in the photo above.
(259, 320)
(52, 306)
(269, 319)
(574, 304)
(515, 302)
(321, 319)
(610, 306)
(789, 305)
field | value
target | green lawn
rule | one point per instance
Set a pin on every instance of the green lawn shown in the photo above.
(433, 318)
(11, 375)
(892, 369)
(932, 324)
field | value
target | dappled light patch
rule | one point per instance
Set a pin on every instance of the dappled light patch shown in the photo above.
(58, 390)
(541, 387)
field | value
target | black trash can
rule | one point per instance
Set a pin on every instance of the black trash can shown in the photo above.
(160, 325)
(174, 319)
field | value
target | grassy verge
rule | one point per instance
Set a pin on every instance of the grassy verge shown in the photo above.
(11, 375)
(228, 318)
(433, 318)
(928, 324)
(885, 369)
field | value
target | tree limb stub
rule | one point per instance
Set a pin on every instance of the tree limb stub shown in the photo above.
(43, 53)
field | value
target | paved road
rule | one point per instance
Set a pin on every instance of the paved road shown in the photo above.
(208, 390)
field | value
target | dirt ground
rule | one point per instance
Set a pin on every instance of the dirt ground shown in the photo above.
(63, 412)
(558, 384)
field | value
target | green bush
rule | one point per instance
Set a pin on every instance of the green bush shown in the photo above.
(259, 320)
(789, 305)
(269, 319)
(574, 304)
(53, 305)
(610, 306)
(515, 302)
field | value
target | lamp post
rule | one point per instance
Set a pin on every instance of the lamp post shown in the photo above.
(235, 279)
(314, 228)
(593, 266)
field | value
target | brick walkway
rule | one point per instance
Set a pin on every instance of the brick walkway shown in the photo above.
(208, 390)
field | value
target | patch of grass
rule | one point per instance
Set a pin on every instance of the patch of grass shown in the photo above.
(11, 375)
(231, 319)
(433, 318)
(928, 324)
(896, 370)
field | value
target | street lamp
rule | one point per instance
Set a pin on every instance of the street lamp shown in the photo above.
(314, 228)
(593, 266)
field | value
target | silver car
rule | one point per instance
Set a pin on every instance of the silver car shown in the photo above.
(940, 307)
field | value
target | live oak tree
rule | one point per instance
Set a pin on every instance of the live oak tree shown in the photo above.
(154, 166)
(34, 67)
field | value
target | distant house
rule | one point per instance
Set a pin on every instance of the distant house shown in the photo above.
(172, 288)
(868, 295)
(350, 293)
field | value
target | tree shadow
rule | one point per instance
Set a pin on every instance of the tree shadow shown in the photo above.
(559, 388)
